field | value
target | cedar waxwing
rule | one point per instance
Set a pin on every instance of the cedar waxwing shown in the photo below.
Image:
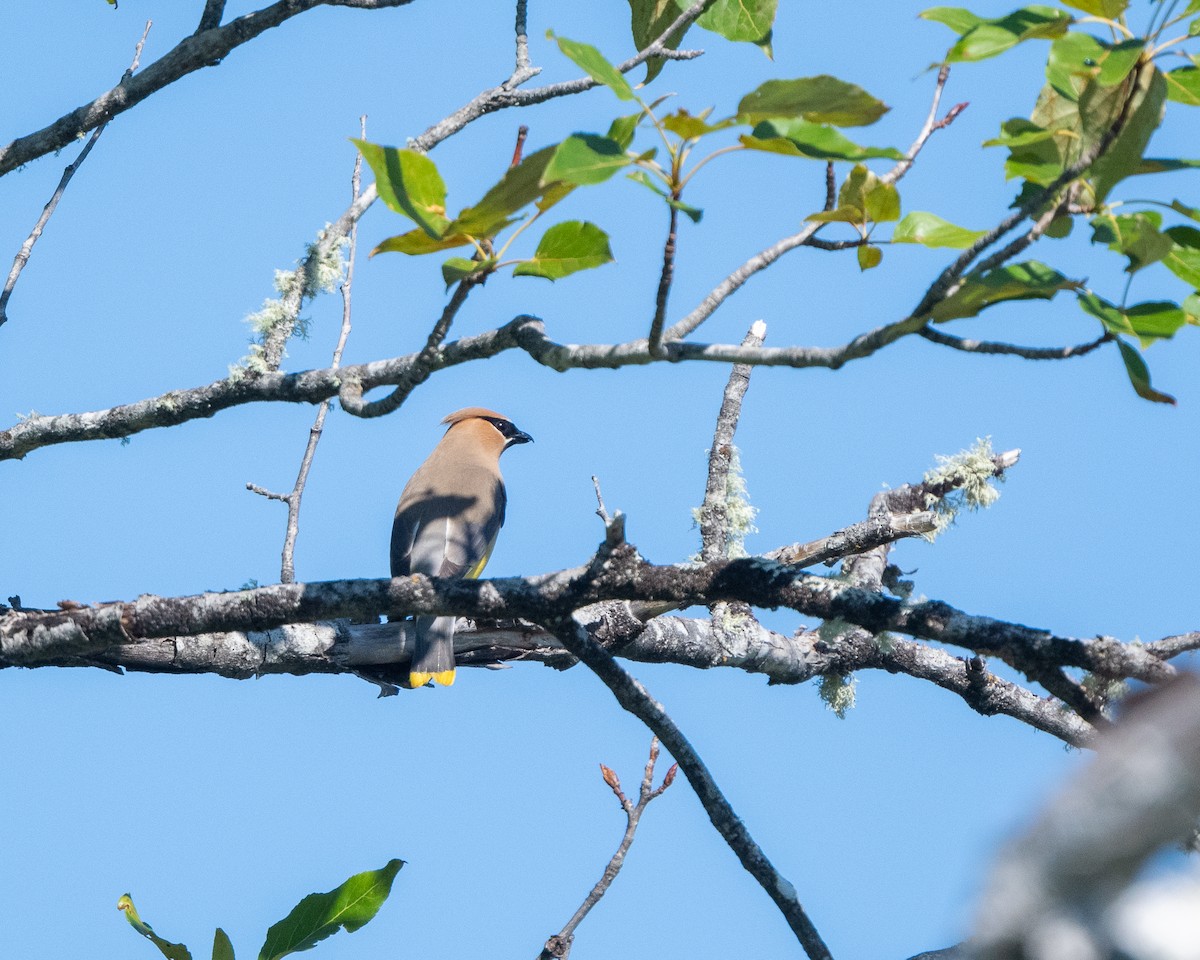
(447, 521)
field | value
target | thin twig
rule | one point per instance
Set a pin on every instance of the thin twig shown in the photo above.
(522, 133)
(288, 561)
(665, 279)
(522, 31)
(865, 535)
(760, 261)
(558, 947)
(1011, 349)
(601, 510)
(192, 53)
(22, 257)
(927, 130)
(636, 699)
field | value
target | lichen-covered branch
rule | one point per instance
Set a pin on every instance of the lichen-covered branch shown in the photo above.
(32, 637)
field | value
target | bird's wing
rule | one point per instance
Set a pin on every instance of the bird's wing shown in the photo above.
(446, 535)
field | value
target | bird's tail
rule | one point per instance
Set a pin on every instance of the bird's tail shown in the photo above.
(433, 652)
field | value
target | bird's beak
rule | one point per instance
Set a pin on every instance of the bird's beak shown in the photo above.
(520, 437)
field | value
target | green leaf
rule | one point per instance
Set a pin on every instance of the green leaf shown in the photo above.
(1030, 280)
(320, 915)
(930, 230)
(869, 256)
(592, 62)
(988, 38)
(1149, 321)
(520, 186)
(222, 948)
(409, 183)
(565, 249)
(460, 268)
(418, 242)
(1191, 307)
(683, 124)
(622, 129)
(1139, 375)
(649, 18)
(1192, 213)
(799, 138)
(956, 18)
(1165, 164)
(1135, 235)
(585, 158)
(883, 203)
(820, 99)
(1183, 260)
(1099, 8)
(1183, 85)
(741, 20)
(172, 951)
(1077, 58)
(838, 215)
(695, 214)
(1124, 157)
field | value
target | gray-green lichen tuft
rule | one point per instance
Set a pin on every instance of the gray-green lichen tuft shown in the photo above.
(739, 512)
(971, 472)
(319, 272)
(837, 690)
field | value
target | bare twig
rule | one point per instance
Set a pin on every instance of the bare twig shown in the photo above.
(636, 699)
(601, 510)
(189, 55)
(22, 257)
(214, 10)
(522, 31)
(932, 123)
(288, 560)
(1173, 646)
(666, 277)
(857, 538)
(934, 335)
(522, 133)
(558, 947)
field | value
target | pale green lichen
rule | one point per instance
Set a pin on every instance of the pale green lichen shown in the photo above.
(318, 272)
(884, 642)
(971, 472)
(739, 513)
(837, 691)
(831, 630)
(1106, 691)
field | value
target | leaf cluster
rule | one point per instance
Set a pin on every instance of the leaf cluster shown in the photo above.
(315, 918)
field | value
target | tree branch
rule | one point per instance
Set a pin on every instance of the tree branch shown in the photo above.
(558, 947)
(714, 520)
(189, 55)
(32, 637)
(22, 257)
(1008, 349)
(287, 572)
(633, 697)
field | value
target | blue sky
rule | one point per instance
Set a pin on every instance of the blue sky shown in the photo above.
(220, 802)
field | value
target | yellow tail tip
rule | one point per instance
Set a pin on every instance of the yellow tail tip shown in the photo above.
(444, 677)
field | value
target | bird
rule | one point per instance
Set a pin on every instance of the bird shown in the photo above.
(447, 520)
